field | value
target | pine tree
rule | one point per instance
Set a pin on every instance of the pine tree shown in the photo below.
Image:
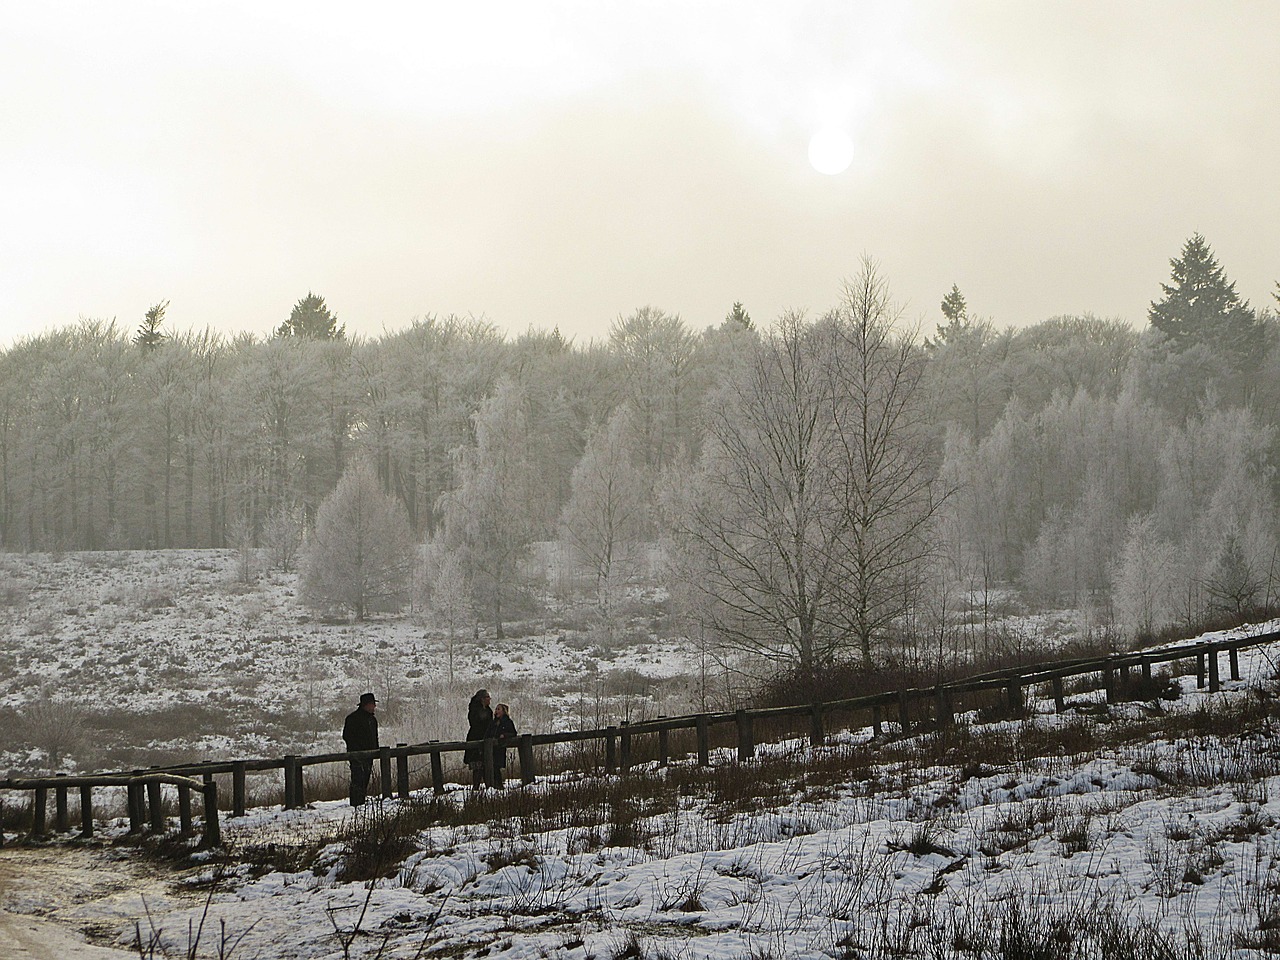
(739, 316)
(149, 336)
(956, 312)
(953, 306)
(1201, 306)
(312, 319)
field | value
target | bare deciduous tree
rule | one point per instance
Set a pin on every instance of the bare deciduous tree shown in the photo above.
(817, 487)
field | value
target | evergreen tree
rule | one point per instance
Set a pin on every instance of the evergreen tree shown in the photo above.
(1201, 306)
(149, 336)
(956, 312)
(739, 316)
(312, 319)
(953, 306)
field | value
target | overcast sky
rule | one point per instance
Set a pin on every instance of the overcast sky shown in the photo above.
(544, 164)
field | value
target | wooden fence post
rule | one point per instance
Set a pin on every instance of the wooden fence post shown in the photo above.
(941, 710)
(1200, 671)
(1146, 672)
(1234, 653)
(624, 751)
(184, 809)
(610, 749)
(136, 797)
(239, 797)
(704, 740)
(877, 721)
(487, 756)
(402, 772)
(817, 736)
(1109, 683)
(664, 745)
(212, 829)
(60, 821)
(525, 749)
(1215, 683)
(155, 802)
(746, 736)
(904, 713)
(86, 810)
(39, 807)
(290, 787)
(1059, 703)
(384, 772)
(1014, 692)
(437, 772)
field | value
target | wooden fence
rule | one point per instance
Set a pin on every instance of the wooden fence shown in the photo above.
(906, 708)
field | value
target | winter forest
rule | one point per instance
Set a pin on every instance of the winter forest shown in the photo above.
(837, 485)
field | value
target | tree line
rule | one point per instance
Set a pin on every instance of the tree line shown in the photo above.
(814, 487)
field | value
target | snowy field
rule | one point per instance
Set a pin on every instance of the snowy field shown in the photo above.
(1145, 829)
(132, 658)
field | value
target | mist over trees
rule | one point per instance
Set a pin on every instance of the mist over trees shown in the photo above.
(827, 484)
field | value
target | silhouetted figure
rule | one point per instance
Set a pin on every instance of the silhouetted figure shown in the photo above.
(360, 732)
(479, 717)
(503, 729)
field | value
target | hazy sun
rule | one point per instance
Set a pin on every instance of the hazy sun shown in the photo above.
(830, 151)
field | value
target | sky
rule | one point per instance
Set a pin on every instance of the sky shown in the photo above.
(562, 164)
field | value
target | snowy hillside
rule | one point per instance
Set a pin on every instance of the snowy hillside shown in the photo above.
(1147, 829)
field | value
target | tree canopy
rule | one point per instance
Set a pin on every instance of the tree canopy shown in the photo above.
(1201, 307)
(311, 318)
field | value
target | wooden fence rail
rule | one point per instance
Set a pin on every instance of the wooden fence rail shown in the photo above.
(938, 703)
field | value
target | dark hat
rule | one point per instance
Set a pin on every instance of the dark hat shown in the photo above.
(367, 698)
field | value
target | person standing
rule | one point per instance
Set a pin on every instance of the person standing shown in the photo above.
(503, 729)
(360, 732)
(479, 717)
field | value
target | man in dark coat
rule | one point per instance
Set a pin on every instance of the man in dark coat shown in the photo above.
(360, 732)
(479, 716)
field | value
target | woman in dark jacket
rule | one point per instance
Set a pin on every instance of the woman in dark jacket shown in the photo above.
(503, 729)
(479, 717)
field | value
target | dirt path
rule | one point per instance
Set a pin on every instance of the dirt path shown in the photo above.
(40, 891)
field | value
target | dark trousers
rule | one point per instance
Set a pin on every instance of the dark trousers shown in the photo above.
(361, 771)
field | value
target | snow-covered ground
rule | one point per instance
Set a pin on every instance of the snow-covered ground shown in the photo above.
(1089, 847)
(143, 657)
(1104, 832)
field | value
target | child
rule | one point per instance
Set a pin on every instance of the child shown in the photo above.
(503, 729)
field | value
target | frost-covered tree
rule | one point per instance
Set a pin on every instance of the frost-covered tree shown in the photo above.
(488, 517)
(763, 522)
(887, 494)
(282, 535)
(606, 512)
(1147, 589)
(817, 488)
(451, 600)
(655, 353)
(360, 555)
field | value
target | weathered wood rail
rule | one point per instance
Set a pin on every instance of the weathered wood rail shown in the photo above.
(142, 791)
(906, 708)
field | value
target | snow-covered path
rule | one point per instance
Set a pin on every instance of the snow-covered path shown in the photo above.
(34, 887)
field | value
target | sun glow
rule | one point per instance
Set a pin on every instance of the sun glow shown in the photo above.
(831, 151)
